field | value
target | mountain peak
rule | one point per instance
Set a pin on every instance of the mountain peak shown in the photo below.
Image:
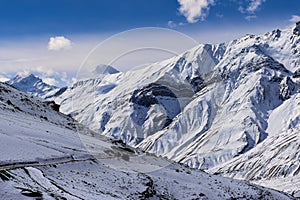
(31, 84)
(25, 75)
(24, 78)
(296, 30)
(104, 69)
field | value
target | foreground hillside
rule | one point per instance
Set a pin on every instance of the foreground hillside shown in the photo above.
(42, 157)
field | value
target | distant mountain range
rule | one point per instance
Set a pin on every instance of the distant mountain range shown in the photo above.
(33, 85)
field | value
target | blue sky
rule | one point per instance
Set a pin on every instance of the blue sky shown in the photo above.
(65, 17)
(76, 26)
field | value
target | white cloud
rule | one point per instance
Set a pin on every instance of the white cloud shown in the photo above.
(295, 18)
(58, 43)
(249, 17)
(48, 71)
(254, 5)
(31, 56)
(193, 10)
(172, 24)
(3, 78)
(220, 16)
(23, 73)
(251, 9)
(50, 81)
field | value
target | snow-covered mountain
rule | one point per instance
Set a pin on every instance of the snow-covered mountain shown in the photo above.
(94, 72)
(43, 157)
(35, 86)
(104, 69)
(224, 108)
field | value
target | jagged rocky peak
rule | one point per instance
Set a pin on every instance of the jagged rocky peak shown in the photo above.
(296, 30)
(26, 78)
(31, 84)
(296, 74)
(26, 82)
(287, 87)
